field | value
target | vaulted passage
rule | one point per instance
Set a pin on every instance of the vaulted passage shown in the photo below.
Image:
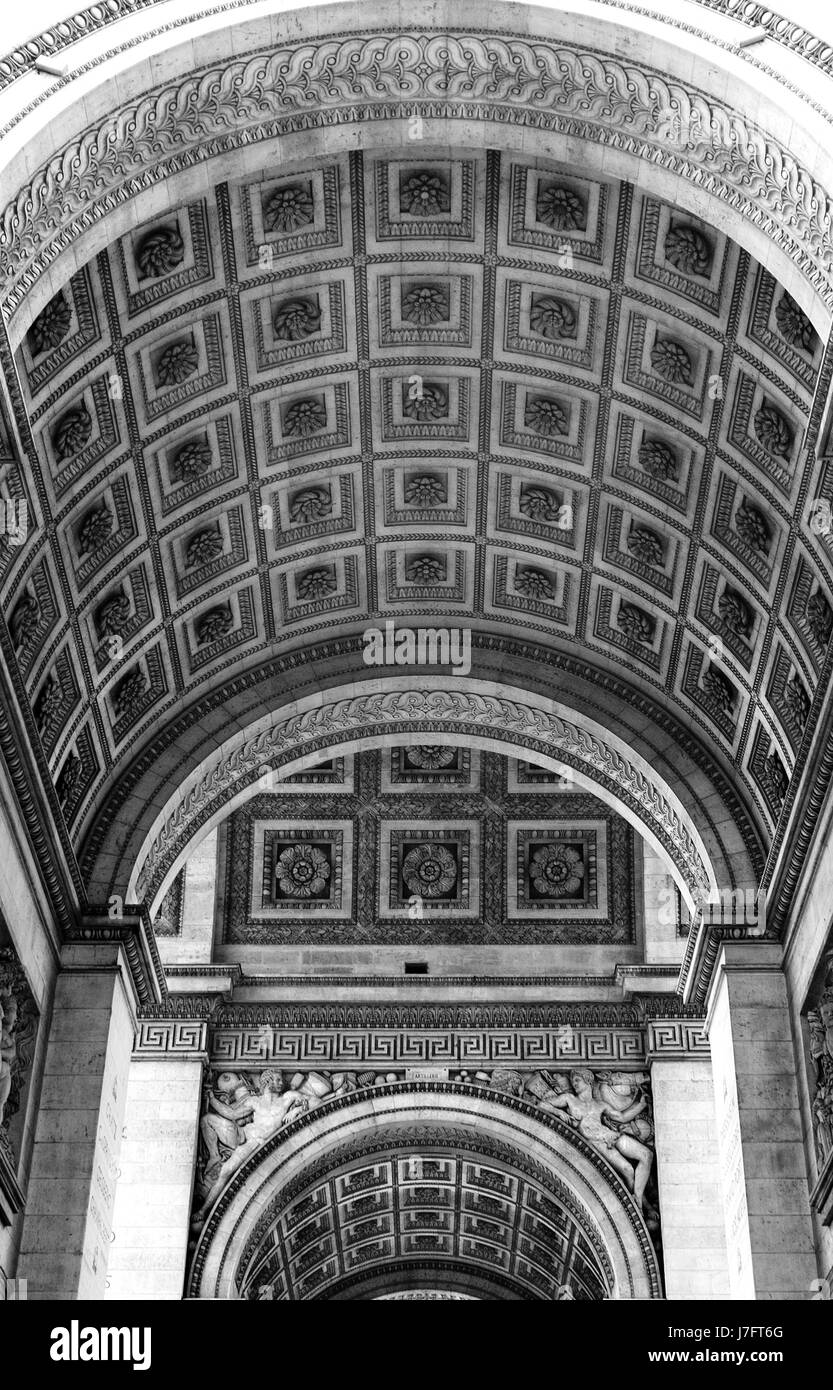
(416, 602)
(431, 386)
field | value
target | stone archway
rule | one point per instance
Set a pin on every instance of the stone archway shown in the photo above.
(710, 153)
(495, 1145)
(441, 710)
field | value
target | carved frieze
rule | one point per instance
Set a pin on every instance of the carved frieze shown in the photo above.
(820, 1041)
(18, 1028)
(611, 1111)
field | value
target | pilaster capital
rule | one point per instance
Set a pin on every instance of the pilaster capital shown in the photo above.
(130, 933)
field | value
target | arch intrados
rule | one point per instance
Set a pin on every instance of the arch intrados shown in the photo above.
(501, 718)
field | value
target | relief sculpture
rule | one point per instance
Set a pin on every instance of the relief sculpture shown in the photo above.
(18, 1023)
(611, 1110)
(243, 1109)
(820, 1020)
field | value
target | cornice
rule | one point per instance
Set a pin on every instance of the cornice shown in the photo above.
(133, 931)
(632, 1013)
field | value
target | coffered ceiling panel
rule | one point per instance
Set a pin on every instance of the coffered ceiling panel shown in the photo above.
(440, 383)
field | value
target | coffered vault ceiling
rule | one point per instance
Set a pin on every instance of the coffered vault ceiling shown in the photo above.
(442, 1212)
(461, 387)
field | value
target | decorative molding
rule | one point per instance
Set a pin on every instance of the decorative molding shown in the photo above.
(432, 1016)
(676, 1038)
(173, 1037)
(422, 713)
(415, 1047)
(79, 25)
(471, 76)
(132, 930)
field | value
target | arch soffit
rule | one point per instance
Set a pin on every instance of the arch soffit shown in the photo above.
(442, 710)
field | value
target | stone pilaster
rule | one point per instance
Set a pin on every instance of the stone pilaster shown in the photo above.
(688, 1165)
(763, 1162)
(161, 1133)
(107, 967)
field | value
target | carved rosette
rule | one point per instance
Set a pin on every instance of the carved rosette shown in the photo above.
(302, 871)
(425, 569)
(431, 755)
(560, 208)
(659, 460)
(192, 459)
(94, 530)
(111, 616)
(51, 326)
(645, 545)
(796, 702)
(424, 193)
(429, 870)
(753, 528)
(297, 318)
(820, 617)
(26, 616)
(539, 503)
(551, 318)
(129, 692)
(426, 304)
(316, 583)
(545, 416)
(793, 324)
(177, 362)
(304, 418)
(429, 403)
(774, 779)
(735, 612)
(425, 491)
(203, 547)
(48, 704)
(159, 252)
(310, 504)
(688, 250)
(534, 583)
(217, 622)
(72, 432)
(69, 779)
(557, 871)
(719, 689)
(288, 209)
(636, 623)
(773, 431)
(670, 360)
